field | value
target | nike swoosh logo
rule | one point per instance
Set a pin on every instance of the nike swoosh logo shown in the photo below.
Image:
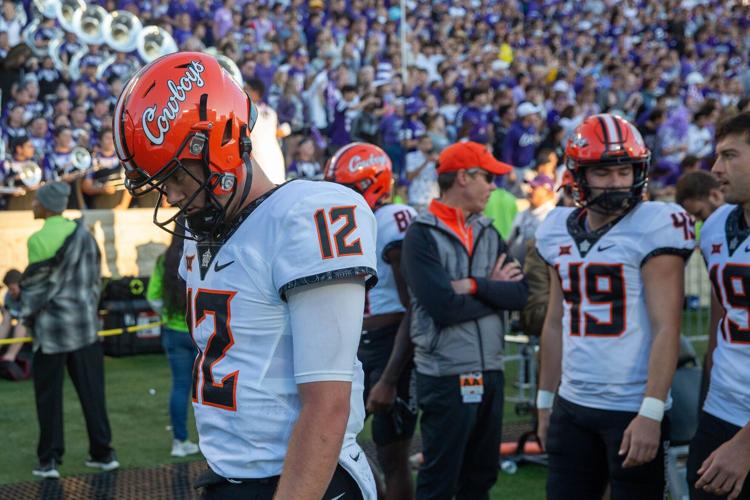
(355, 458)
(603, 248)
(339, 496)
(218, 267)
(747, 249)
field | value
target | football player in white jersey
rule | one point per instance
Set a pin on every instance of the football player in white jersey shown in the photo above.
(610, 340)
(276, 280)
(367, 169)
(719, 458)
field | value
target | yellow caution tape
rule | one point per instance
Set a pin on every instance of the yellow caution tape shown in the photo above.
(101, 333)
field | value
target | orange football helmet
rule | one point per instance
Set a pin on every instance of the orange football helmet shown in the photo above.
(607, 140)
(363, 167)
(185, 106)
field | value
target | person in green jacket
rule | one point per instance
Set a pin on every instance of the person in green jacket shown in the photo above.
(166, 294)
(502, 209)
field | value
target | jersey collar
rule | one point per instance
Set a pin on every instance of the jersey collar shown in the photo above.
(584, 238)
(208, 249)
(736, 229)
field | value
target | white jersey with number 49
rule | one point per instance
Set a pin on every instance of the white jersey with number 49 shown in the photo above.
(393, 221)
(725, 243)
(245, 376)
(606, 328)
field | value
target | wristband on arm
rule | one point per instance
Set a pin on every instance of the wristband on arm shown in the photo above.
(652, 408)
(544, 400)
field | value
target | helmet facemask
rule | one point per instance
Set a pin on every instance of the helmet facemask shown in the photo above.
(610, 200)
(209, 220)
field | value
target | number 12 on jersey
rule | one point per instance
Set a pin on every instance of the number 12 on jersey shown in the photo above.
(599, 284)
(220, 394)
(325, 221)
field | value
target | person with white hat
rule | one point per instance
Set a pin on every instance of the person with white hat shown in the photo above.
(523, 137)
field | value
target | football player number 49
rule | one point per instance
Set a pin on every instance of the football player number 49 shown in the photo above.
(222, 393)
(600, 284)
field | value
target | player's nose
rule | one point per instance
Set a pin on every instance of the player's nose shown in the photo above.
(174, 193)
(717, 168)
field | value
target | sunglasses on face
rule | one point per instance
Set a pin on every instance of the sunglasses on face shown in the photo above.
(488, 176)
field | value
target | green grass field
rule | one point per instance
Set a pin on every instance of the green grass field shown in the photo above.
(140, 423)
(140, 430)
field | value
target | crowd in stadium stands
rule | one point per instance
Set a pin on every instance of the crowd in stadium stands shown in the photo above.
(517, 76)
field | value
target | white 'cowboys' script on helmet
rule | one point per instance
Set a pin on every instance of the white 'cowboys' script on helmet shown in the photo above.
(172, 106)
(357, 162)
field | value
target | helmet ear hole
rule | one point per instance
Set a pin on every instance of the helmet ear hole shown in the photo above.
(227, 133)
(203, 108)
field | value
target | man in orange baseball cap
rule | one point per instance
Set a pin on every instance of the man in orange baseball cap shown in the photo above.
(470, 155)
(461, 279)
(471, 168)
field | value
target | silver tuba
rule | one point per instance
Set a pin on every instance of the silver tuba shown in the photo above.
(229, 65)
(29, 38)
(54, 48)
(21, 16)
(46, 8)
(65, 10)
(29, 174)
(88, 23)
(74, 65)
(28, 35)
(80, 159)
(121, 29)
(102, 67)
(154, 42)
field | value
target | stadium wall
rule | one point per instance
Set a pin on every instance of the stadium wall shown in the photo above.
(128, 239)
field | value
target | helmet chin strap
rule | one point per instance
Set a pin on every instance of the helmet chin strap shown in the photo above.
(228, 212)
(212, 220)
(247, 163)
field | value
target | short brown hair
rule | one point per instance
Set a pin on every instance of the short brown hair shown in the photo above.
(12, 277)
(738, 124)
(446, 181)
(695, 186)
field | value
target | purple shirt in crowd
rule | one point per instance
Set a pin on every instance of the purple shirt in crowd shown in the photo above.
(520, 144)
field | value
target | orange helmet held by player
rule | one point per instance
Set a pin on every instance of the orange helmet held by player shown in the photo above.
(363, 167)
(606, 140)
(185, 106)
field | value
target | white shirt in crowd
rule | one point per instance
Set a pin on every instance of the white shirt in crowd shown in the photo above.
(13, 28)
(266, 149)
(524, 228)
(314, 102)
(423, 187)
(700, 141)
